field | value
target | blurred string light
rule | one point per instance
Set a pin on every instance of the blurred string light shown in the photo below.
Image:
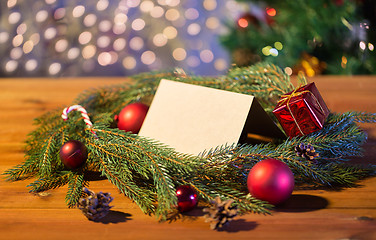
(57, 37)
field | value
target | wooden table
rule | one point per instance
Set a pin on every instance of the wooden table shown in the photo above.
(309, 214)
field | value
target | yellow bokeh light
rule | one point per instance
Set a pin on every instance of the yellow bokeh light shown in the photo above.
(90, 20)
(157, 12)
(212, 23)
(266, 50)
(371, 47)
(120, 18)
(310, 72)
(146, 6)
(129, 63)
(220, 64)
(210, 5)
(84, 38)
(119, 28)
(138, 24)
(278, 45)
(28, 47)
(17, 40)
(35, 37)
(148, 57)
(61, 45)
(102, 5)
(172, 14)
(288, 71)
(170, 32)
(160, 40)
(119, 44)
(104, 58)
(179, 54)
(89, 51)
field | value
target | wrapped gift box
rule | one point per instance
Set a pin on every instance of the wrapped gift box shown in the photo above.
(301, 111)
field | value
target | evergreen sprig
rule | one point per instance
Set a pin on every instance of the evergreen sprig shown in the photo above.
(148, 172)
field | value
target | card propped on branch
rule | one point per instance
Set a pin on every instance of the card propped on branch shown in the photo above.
(192, 118)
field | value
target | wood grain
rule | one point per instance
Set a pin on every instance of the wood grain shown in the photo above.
(309, 214)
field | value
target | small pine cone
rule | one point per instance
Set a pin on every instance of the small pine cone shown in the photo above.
(96, 205)
(220, 213)
(306, 150)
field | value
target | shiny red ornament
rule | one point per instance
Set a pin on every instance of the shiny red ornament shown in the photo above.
(187, 198)
(73, 154)
(271, 180)
(132, 116)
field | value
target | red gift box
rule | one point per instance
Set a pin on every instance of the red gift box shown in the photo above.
(301, 111)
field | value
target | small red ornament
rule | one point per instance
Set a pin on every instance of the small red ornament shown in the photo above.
(132, 116)
(73, 154)
(271, 180)
(187, 198)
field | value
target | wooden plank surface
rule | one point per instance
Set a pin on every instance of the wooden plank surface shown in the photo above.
(309, 214)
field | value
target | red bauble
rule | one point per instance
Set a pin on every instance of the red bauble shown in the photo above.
(187, 198)
(130, 119)
(271, 180)
(73, 154)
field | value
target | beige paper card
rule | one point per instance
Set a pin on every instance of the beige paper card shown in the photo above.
(191, 118)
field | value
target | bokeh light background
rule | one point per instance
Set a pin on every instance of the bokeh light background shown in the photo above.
(113, 37)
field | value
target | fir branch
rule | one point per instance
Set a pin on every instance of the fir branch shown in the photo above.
(363, 117)
(75, 184)
(49, 182)
(121, 176)
(50, 151)
(25, 170)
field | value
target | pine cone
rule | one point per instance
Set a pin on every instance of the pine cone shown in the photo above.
(220, 212)
(306, 150)
(95, 206)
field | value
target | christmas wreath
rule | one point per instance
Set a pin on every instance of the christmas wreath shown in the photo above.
(149, 173)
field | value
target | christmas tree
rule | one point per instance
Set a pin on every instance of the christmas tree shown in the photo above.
(324, 36)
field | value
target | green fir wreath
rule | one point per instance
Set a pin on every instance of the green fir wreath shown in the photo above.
(148, 172)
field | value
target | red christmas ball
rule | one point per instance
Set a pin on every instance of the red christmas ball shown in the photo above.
(187, 198)
(73, 154)
(132, 116)
(271, 180)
